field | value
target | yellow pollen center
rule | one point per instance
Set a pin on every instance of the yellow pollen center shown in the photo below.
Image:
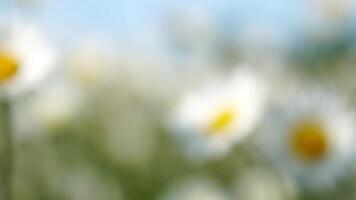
(8, 66)
(221, 121)
(309, 141)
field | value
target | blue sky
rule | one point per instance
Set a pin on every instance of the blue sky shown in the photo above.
(127, 18)
(113, 15)
(118, 15)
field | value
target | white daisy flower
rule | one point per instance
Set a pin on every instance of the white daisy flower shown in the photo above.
(25, 56)
(311, 136)
(210, 121)
(195, 188)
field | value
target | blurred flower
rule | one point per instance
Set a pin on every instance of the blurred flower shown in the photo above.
(211, 120)
(311, 136)
(327, 20)
(25, 56)
(335, 9)
(262, 184)
(90, 63)
(196, 188)
(56, 106)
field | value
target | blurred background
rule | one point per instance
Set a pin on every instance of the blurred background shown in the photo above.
(99, 127)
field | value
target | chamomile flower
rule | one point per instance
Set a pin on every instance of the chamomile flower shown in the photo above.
(311, 136)
(25, 56)
(211, 120)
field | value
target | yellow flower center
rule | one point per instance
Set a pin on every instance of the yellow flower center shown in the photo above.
(8, 66)
(222, 120)
(309, 141)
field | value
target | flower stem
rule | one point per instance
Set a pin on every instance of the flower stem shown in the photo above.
(7, 151)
